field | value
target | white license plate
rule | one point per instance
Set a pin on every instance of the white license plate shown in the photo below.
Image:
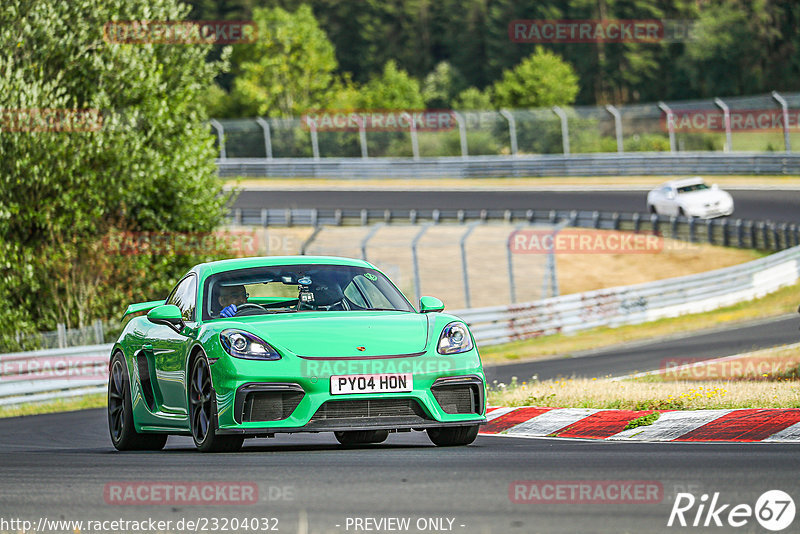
(380, 383)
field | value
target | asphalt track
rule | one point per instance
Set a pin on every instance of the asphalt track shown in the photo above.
(57, 466)
(775, 205)
(648, 355)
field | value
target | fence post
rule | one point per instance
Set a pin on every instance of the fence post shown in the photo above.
(512, 288)
(637, 221)
(691, 229)
(415, 259)
(311, 238)
(267, 136)
(785, 112)
(98, 332)
(362, 137)
(617, 126)
(670, 124)
(412, 129)
(312, 126)
(465, 272)
(654, 223)
(726, 117)
(462, 133)
(366, 239)
(726, 241)
(220, 137)
(710, 231)
(512, 129)
(61, 332)
(564, 128)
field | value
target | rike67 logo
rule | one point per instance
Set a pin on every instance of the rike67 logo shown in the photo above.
(774, 510)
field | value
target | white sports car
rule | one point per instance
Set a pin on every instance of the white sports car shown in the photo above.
(690, 197)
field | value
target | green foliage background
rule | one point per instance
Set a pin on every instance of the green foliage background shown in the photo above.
(149, 167)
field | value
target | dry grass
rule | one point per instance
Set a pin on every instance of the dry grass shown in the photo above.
(647, 395)
(97, 400)
(586, 272)
(780, 302)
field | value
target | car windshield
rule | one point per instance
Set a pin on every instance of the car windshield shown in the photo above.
(692, 188)
(297, 288)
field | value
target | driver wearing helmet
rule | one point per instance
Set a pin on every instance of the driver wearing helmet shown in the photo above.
(230, 298)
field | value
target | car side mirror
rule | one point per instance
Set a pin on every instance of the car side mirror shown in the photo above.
(167, 314)
(430, 304)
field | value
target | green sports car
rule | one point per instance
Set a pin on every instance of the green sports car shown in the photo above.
(251, 347)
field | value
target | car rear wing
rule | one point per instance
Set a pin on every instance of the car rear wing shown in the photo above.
(141, 307)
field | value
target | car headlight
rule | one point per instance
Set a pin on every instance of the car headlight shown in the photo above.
(455, 338)
(240, 344)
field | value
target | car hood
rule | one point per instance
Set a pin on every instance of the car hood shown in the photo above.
(339, 334)
(704, 197)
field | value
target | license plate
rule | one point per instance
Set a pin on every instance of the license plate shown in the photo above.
(380, 383)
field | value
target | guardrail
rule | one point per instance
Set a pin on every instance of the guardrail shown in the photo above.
(636, 303)
(27, 377)
(638, 164)
(53, 374)
(742, 233)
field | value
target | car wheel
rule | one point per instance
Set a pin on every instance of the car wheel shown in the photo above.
(681, 213)
(202, 402)
(453, 435)
(120, 413)
(358, 437)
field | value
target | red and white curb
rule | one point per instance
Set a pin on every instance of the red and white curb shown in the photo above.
(751, 424)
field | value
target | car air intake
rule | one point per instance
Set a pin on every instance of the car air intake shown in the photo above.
(270, 405)
(459, 396)
(371, 412)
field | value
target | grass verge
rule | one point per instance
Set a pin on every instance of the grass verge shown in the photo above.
(647, 395)
(780, 302)
(95, 400)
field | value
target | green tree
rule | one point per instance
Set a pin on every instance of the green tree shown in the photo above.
(289, 70)
(473, 98)
(393, 89)
(542, 80)
(147, 166)
(441, 85)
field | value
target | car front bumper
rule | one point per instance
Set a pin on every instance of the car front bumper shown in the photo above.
(294, 394)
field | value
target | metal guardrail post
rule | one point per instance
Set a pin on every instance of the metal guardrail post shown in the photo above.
(220, 137)
(462, 133)
(637, 221)
(364, 217)
(366, 239)
(691, 229)
(264, 217)
(617, 126)
(267, 136)
(465, 273)
(415, 259)
(726, 117)
(673, 226)
(726, 240)
(564, 129)
(654, 223)
(710, 231)
(670, 124)
(739, 233)
(785, 112)
(512, 129)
